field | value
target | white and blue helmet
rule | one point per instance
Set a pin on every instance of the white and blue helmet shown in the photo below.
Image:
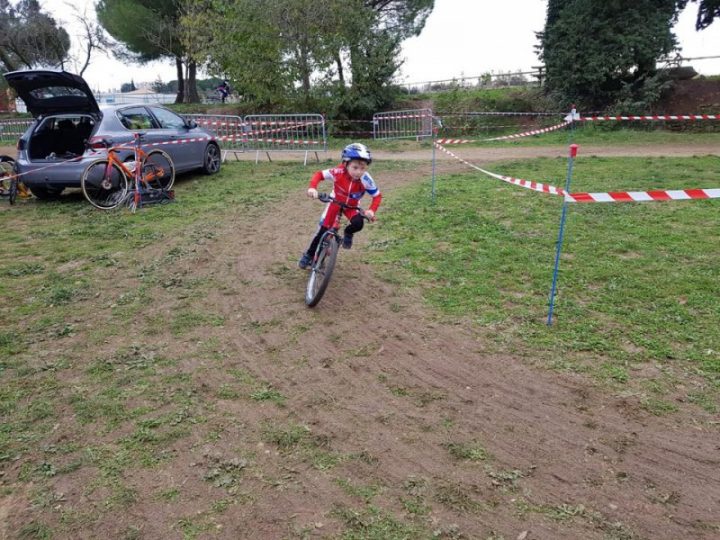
(356, 151)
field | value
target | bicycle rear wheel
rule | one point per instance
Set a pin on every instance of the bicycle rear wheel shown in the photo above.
(322, 270)
(158, 170)
(104, 184)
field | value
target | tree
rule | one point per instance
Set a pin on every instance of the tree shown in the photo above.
(593, 60)
(707, 11)
(276, 49)
(149, 30)
(29, 37)
(91, 39)
(128, 87)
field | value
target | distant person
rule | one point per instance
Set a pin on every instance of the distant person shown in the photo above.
(224, 90)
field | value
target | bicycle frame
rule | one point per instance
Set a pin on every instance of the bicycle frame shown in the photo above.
(325, 254)
(139, 155)
(148, 175)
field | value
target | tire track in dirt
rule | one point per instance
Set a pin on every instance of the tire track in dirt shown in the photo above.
(370, 371)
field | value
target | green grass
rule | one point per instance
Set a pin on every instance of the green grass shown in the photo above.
(637, 291)
(637, 282)
(63, 270)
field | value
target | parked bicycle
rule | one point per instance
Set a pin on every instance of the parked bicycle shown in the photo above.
(325, 255)
(106, 182)
(10, 185)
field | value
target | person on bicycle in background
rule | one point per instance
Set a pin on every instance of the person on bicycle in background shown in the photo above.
(350, 182)
(224, 90)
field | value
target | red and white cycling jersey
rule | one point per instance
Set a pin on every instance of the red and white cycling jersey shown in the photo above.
(347, 191)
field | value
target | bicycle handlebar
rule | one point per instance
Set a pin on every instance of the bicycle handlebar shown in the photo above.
(326, 198)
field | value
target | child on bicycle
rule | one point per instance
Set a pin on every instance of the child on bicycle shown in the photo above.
(350, 182)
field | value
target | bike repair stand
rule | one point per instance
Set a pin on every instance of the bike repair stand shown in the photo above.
(151, 196)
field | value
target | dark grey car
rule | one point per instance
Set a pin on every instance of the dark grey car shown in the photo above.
(70, 127)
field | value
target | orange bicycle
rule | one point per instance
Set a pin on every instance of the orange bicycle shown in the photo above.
(106, 182)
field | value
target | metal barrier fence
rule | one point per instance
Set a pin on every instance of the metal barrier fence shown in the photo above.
(286, 133)
(230, 130)
(12, 130)
(410, 124)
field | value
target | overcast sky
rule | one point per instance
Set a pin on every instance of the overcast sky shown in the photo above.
(460, 38)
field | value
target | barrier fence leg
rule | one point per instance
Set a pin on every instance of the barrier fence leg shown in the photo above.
(432, 191)
(561, 232)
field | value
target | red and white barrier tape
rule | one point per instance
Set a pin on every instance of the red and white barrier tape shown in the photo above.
(506, 137)
(654, 117)
(612, 196)
(244, 138)
(456, 141)
(528, 133)
(644, 196)
(180, 141)
(527, 184)
(403, 116)
(219, 123)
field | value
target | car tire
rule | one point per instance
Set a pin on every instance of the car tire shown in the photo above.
(211, 159)
(46, 193)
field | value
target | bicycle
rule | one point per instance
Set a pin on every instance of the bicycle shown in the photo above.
(325, 256)
(10, 184)
(105, 181)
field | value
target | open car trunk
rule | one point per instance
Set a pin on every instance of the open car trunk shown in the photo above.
(61, 137)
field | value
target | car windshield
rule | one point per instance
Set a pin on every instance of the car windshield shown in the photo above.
(49, 92)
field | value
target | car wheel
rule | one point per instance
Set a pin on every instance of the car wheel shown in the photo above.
(211, 161)
(46, 193)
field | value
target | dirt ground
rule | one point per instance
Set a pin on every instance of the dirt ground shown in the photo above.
(374, 375)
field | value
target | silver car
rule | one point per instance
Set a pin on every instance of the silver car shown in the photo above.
(70, 130)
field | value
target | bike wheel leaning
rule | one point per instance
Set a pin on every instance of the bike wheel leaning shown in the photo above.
(13, 191)
(158, 170)
(322, 270)
(8, 181)
(104, 184)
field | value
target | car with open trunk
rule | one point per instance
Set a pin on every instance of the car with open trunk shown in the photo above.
(70, 130)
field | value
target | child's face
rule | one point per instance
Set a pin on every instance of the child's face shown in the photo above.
(356, 168)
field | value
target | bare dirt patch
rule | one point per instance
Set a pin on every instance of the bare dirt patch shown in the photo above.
(385, 412)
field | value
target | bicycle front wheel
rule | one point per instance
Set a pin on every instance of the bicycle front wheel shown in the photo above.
(104, 184)
(158, 170)
(322, 270)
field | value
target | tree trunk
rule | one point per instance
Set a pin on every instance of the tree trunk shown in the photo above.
(341, 74)
(191, 94)
(180, 97)
(7, 63)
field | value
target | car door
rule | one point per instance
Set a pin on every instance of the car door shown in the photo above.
(137, 119)
(188, 152)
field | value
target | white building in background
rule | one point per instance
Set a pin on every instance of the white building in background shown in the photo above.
(139, 96)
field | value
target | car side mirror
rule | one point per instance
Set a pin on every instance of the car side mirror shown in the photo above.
(191, 124)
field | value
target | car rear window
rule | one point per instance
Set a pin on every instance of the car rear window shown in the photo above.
(49, 92)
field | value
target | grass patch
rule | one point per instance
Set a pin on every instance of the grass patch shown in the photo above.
(372, 523)
(268, 393)
(472, 451)
(637, 280)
